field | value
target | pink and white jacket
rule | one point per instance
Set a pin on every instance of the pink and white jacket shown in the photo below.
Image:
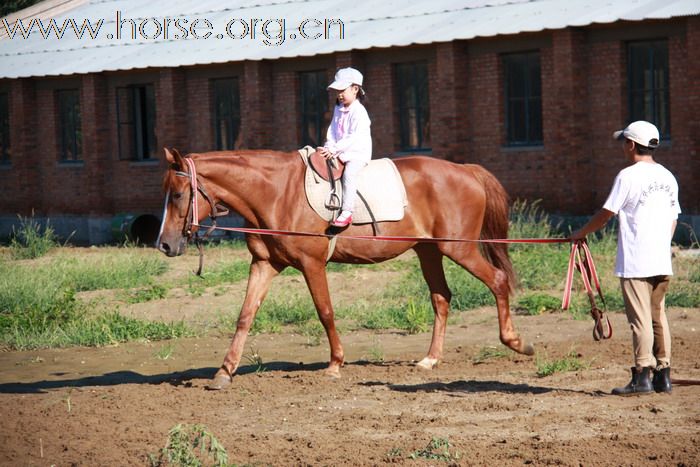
(349, 133)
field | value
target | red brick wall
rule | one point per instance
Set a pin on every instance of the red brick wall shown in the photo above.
(583, 80)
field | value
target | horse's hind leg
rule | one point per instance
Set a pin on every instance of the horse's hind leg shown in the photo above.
(316, 280)
(470, 258)
(440, 295)
(261, 275)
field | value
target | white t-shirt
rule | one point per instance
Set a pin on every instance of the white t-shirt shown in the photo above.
(645, 199)
(349, 133)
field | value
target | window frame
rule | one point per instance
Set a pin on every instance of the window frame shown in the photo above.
(531, 61)
(659, 108)
(142, 116)
(70, 138)
(5, 143)
(314, 108)
(413, 112)
(231, 115)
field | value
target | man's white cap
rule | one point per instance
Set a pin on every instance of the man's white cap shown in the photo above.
(641, 132)
(344, 78)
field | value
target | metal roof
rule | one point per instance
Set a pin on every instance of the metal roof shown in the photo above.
(366, 24)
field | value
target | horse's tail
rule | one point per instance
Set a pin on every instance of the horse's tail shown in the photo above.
(495, 224)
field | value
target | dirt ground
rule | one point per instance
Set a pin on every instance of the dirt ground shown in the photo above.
(114, 406)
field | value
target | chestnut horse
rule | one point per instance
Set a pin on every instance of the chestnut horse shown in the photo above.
(445, 200)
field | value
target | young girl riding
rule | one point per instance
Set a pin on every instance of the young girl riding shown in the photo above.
(348, 137)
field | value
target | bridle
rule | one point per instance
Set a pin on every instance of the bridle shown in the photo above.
(191, 227)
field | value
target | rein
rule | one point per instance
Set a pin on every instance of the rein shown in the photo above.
(579, 258)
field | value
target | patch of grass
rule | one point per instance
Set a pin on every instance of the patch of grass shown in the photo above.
(571, 362)
(273, 314)
(312, 330)
(103, 329)
(39, 308)
(537, 303)
(165, 352)
(124, 269)
(375, 353)
(683, 294)
(438, 449)
(153, 292)
(30, 240)
(412, 316)
(490, 353)
(253, 358)
(190, 446)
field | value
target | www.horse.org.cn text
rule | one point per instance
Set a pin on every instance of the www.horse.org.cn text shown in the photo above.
(270, 32)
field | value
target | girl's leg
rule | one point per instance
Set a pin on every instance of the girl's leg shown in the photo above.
(352, 170)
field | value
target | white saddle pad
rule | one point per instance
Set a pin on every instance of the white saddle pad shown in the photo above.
(379, 183)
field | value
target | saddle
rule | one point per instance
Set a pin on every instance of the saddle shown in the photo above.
(328, 169)
(381, 193)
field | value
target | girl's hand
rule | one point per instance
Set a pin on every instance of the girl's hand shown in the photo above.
(325, 153)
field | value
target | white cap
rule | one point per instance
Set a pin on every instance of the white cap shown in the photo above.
(344, 78)
(641, 132)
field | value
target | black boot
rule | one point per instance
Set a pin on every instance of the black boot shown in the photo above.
(640, 384)
(662, 380)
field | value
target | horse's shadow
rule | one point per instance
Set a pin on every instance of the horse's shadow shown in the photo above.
(473, 386)
(184, 378)
(176, 378)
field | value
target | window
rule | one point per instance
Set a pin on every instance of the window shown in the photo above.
(136, 116)
(69, 131)
(523, 99)
(647, 77)
(414, 105)
(4, 128)
(227, 112)
(315, 117)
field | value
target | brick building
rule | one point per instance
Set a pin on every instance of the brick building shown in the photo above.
(532, 90)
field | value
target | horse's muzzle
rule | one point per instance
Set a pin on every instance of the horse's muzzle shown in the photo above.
(179, 248)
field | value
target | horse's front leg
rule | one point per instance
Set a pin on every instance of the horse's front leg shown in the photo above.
(261, 275)
(317, 282)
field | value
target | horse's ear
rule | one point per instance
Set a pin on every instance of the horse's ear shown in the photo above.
(173, 157)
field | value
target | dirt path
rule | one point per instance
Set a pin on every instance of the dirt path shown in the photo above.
(114, 406)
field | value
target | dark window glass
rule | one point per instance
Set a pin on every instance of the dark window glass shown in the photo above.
(136, 118)
(227, 112)
(69, 130)
(523, 98)
(648, 85)
(315, 116)
(414, 105)
(4, 128)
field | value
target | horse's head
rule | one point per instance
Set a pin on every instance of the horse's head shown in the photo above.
(182, 210)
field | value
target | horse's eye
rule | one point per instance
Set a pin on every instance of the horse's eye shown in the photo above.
(177, 196)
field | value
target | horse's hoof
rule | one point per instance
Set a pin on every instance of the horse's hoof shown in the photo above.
(333, 372)
(219, 382)
(528, 349)
(428, 363)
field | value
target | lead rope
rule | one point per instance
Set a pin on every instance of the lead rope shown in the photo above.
(581, 258)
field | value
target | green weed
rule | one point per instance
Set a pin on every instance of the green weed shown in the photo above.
(253, 358)
(312, 330)
(153, 292)
(537, 303)
(31, 240)
(490, 353)
(190, 446)
(571, 362)
(438, 449)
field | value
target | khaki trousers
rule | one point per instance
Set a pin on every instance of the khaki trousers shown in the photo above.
(646, 313)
